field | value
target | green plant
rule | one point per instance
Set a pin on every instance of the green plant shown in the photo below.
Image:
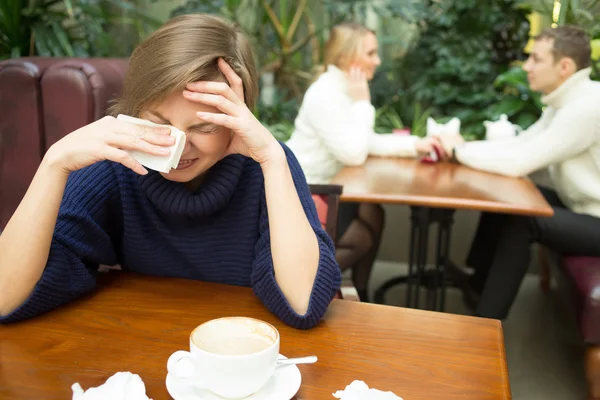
(522, 105)
(278, 115)
(387, 118)
(584, 13)
(463, 46)
(288, 35)
(419, 120)
(284, 35)
(68, 28)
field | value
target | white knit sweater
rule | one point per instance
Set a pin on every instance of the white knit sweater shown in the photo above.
(566, 139)
(332, 130)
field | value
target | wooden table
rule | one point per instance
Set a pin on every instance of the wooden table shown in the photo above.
(133, 323)
(434, 192)
(440, 185)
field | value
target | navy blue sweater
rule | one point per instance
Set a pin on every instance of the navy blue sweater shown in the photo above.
(149, 225)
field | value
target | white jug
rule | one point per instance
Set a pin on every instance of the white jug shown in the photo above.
(501, 129)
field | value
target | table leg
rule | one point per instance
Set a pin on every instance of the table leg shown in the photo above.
(421, 219)
(418, 273)
(417, 259)
(442, 252)
(414, 229)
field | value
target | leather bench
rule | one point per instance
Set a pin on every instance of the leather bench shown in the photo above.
(579, 282)
(41, 100)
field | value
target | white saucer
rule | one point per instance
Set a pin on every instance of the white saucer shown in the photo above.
(283, 385)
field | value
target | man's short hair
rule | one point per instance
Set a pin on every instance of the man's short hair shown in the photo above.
(569, 41)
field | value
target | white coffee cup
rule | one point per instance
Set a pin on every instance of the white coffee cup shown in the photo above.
(233, 357)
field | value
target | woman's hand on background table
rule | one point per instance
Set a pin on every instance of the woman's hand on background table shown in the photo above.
(250, 137)
(428, 144)
(449, 142)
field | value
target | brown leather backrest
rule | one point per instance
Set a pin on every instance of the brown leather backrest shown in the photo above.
(41, 100)
(21, 128)
(76, 92)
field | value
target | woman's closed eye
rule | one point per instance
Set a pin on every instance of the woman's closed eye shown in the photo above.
(203, 129)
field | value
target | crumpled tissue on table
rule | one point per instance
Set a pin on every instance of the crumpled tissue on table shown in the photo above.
(358, 390)
(120, 386)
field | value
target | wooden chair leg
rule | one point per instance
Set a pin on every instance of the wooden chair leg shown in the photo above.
(592, 371)
(545, 275)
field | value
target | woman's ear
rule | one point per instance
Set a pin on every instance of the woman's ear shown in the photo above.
(345, 63)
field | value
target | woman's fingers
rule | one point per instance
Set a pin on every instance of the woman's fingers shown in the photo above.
(139, 130)
(214, 100)
(219, 88)
(133, 142)
(234, 79)
(122, 157)
(148, 139)
(219, 119)
(159, 135)
(129, 142)
(233, 90)
(439, 149)
(448, 142)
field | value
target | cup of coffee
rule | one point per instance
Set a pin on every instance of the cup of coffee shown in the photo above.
(233, 357)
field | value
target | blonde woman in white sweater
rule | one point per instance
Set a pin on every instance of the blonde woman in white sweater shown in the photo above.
(334, 128)
(566, 140)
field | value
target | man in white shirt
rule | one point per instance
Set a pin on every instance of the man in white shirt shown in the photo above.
(566, 141)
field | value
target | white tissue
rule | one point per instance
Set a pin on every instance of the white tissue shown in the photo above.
(158, 163)
(358, 390)
(120, 386)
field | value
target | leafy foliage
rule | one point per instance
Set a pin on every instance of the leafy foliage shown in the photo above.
(279, 116)
(69, 28)
(517, 101)
(464, 45)
(288, 38)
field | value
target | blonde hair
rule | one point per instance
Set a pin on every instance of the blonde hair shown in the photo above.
(344, 43)
(185, 49)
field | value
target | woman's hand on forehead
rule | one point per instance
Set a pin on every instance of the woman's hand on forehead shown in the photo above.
(250, 137)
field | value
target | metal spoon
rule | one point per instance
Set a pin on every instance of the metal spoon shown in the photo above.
(298, 360)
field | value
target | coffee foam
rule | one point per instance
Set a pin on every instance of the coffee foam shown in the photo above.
(234, 336)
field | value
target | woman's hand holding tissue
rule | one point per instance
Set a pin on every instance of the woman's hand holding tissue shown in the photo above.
(23, 256)
(108, 139)
(249, 136)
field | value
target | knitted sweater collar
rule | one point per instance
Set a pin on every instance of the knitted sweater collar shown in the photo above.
(214, 193)
(562, 95)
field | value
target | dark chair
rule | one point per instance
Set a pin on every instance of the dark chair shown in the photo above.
(578, 280)
(331, 196)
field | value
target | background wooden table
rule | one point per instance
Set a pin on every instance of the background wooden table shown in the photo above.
(133, 323)
(440, 185)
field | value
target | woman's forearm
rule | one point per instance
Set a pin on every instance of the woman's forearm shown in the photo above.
(391, 145)
(25, 242)
(294, 244)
